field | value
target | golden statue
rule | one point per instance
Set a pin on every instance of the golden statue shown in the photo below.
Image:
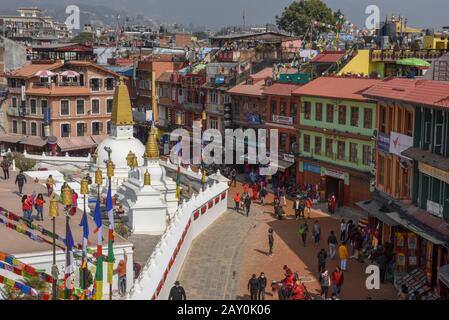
(152, 148)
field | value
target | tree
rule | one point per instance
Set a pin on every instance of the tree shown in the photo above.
(9, 293)
(83, 37)
(22, 163)
(299, 17)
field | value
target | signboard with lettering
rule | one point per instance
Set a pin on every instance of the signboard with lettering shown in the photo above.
(282, 120)
(312, 168)
(334, 174)
(399, 142)
(383, 142)
(288, 157)
(435, 208)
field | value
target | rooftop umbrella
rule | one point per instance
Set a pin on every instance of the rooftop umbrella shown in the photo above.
(44, 74)
(70, 74)
(413, 62)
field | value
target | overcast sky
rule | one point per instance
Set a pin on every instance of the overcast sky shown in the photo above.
(217, 13)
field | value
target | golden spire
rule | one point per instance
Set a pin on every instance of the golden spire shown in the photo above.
(152, 148)
(121, 107)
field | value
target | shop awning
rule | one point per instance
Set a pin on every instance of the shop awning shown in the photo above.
(443, 275)
(99, 138)
(76, 143)
(427, 157)
(11, 138)
(419, 230)
(34, 141)
(373, 209)
(281, 164)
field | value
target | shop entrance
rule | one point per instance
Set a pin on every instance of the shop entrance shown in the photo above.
(336, 186)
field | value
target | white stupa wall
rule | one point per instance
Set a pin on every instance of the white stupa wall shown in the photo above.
(193, 217)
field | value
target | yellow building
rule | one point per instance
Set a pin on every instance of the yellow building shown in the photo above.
(437, 41)
(361, 64)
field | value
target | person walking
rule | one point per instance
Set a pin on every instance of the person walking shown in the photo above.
(262, 194)
(282, 195)
(39, 205)
(382, 261)
(253, 287)
(5, 166)
(344, 255)
(322, 256)
(50, 183)
(316, 232)
(177, 292)
(308, 205)
(247, 202)
(234, 177)
(296, 207)
(332, 242)
(303, 229)
(237, 202)
(325, 283)
(262, 285)
(121, 272)
(342, 230)
(270, 241)
(337, 278)
(27, 207)
(20, 181)
(74, 203)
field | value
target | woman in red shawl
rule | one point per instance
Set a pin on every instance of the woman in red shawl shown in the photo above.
(255, 191)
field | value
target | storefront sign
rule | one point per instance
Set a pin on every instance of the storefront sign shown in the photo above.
(434, 172)
(288, 157)
(383, 142)
(312, 168)
(399, 142)
(282, 120)
(334, 174)
(434, 208)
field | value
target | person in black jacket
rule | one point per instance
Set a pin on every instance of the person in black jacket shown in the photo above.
(270, 241)
(247, 203)
(262, 285)
(177, 292)
(20, 181)
(253, 287)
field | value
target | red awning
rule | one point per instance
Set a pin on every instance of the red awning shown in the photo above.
(76, 143)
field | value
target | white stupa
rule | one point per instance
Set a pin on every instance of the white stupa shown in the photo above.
(121, 140)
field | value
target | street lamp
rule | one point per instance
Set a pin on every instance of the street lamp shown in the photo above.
(54, 212)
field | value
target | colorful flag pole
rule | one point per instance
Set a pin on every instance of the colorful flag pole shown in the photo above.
(68, 263)
(111, 258)
(84, 270)
(99, 271)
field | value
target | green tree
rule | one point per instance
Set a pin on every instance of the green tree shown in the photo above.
(298, 18)
(83, 37)
(22, 163)
(9, 293)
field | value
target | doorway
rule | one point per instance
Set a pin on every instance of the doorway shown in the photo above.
(336, 186)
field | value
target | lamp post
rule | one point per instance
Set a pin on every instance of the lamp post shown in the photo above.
(54, 212)
(84, 191)
(67, 202)
(110, 174)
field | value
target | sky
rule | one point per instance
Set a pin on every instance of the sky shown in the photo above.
(218, 13)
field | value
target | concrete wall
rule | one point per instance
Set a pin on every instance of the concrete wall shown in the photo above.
(12, 56)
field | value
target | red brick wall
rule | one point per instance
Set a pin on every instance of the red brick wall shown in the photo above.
(359, 190)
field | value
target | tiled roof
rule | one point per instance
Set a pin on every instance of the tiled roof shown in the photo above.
(255, 89)
(337, 87)
(263, 74)
(427, 92)
(328, 57)
(29, 70)
(281, 89)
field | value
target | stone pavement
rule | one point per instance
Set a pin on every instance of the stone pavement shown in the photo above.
(212, 267)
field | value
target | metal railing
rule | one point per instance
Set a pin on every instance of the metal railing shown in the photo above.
(393, 55)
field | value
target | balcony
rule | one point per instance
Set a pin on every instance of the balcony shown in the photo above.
(282, 120)
(389, 55)
(194, 107)
(214, 108)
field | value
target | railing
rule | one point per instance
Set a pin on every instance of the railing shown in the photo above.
(195, 107)
(393, 55)
(214, 108)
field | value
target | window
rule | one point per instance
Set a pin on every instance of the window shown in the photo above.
(82, 79)
(380, 171)
(33, 106)
(213, 97)
(44, 105)
(368, 118)
(24, 127)
(108, 127)
(354, 116)
(14, 126)
(366, 155)
(65, 130)
(64, 108)
(383, 119)
(109, 84)
(283, 109)
(273, 107)
(95, 84)
(408, 123)
(329, 151)
(213, 123)
(33, 129)
(341, 150)
(306, 143)
(43, 130)
(342, 115)
(293, 111)
(95, 106)
(330, 113)
(353, 152)
(14, 102)
(80, 129)
(318, 111)
(318, 145)
(80, 106)
(109, 105)
(283, 142)
(96, 128)
(307, 109)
